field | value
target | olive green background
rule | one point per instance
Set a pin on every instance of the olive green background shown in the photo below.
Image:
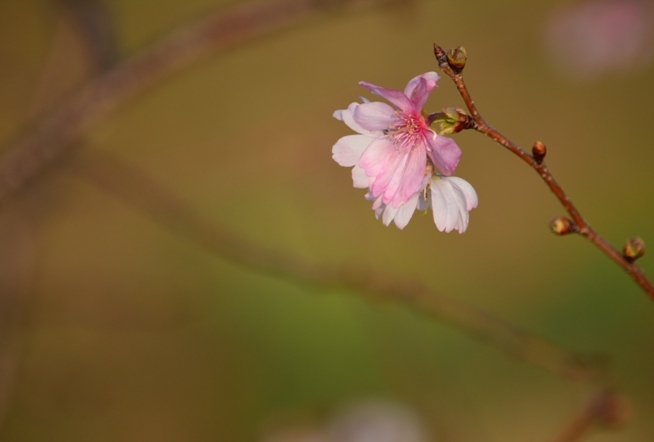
(132, 333)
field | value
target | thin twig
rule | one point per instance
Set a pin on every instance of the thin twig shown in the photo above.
(476, 122)
(27, 157)
(137, 190)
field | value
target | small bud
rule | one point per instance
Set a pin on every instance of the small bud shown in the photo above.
(539, 151)
(447, 128)
(456, 58)
(453, 120)
(634, 248)
(562, 225)
(452, 114)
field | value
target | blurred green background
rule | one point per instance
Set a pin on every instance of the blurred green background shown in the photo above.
(116, 329)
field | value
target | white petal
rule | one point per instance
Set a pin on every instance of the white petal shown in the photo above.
(377, 205)
(359, 178)
(405, 211)
(452, 199)
(468, 191)
(389, 214)
(464, 216)
(377, 202)
(445, 204)
(348, 149)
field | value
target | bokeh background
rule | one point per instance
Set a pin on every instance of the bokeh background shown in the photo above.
(114, 328)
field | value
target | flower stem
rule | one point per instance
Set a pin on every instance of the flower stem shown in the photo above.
(476, 122)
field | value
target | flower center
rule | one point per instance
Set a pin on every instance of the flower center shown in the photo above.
(408, 130)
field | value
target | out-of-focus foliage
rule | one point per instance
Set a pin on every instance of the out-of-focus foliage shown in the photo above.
(127, 332)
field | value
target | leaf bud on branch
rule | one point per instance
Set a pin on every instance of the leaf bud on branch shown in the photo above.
(451, 120)
(539, 151)
(563, 226)
(634, 248)
(456, 58)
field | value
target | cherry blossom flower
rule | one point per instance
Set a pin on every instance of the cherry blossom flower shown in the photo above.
(451, 200)
(395, 153)
(390, 152)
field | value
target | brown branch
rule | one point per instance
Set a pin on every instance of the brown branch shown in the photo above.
(476, 122)
(27, 157)
(159, 204)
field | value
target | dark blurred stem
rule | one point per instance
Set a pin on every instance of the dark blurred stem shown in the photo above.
(147, 196)
(604, 409)
(95, 23)
(51, 136)
(476, 122)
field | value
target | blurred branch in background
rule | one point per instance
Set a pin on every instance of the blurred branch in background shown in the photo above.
(140, 192)
(84, 45)
(17, 278)
(605, 409)
(94, 22)
(27, 157)
(56, 134)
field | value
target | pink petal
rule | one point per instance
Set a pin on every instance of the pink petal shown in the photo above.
(402, 177)
(348, 149)
(396, 97)
(376, 156)
(347, 117)
(376, 116)
(444, 153)
(388, 181)
(413, 175)
(418, 88)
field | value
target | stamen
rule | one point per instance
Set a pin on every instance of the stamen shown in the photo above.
(408, 131)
